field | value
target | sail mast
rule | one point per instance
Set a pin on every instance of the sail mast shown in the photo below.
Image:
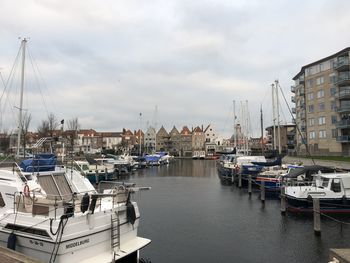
(23, 46)
(262, 130)
(234, 125)
(278, 118)
(273, 116)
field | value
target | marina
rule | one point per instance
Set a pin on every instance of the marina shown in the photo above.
(191, 216)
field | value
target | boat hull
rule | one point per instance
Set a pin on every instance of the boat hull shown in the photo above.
(327, 206)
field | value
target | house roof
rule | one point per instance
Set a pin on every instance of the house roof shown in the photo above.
(321, 60)
(185, 131)
(197, 129)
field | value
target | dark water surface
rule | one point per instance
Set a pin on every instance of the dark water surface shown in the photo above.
(192, 217)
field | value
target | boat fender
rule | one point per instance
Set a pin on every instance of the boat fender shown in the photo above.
(84, 206)
(130, 213)
(26, 191)
(11, 241)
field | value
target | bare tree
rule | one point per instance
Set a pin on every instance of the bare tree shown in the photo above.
(73, 127)
(43, 129)
(53, 123)
(24, 129)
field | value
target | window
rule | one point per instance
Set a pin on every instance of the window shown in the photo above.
(322, 134)
(332, 78)
(309, 83)
(311, 122)
(334, 119)
(320, 93)
(321, 106)
(334, 133)
(321, 120)
(312, 135)
(311, 108)
(332, 91)
(320, 80)
(333, 106)
(310, 96)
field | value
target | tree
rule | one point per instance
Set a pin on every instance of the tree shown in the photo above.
(53, 123)
(73, 127)
(43, 129)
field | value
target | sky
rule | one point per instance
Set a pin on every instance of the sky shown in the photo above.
(177, 62)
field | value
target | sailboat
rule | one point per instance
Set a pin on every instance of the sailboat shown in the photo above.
(54, 214)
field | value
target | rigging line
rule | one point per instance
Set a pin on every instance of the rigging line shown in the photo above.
(37, 80)
(296, 125)
(11, 72)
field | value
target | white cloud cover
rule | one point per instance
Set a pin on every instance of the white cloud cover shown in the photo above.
(106, 61)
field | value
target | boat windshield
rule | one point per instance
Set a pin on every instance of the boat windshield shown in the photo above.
(325, 182)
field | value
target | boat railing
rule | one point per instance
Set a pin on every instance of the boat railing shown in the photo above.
(296, 182)
(18, 171)
(55, 206)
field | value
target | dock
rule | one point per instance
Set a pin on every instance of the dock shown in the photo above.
(11, 256)
(339, 255)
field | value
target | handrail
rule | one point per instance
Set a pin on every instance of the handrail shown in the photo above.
(19, 172)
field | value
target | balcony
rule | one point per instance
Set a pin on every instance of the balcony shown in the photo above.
(302, 92)
(294, 111)
(343, 78)
(303, 127)
(343, 138)
(293, 99)
(343, 109)
(292, 89)
(343, 94)
(342, 64)
(343, 124)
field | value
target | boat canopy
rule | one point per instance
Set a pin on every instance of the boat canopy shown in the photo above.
(278, 161)
(40, 163)
(309, 171)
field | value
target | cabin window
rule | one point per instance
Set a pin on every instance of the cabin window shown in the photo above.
(2, 202)
(336, 186)
(325, 182)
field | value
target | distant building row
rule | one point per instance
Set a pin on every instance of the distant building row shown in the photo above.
(89, 141)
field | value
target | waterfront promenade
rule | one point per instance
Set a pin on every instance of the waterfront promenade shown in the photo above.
(307, 161)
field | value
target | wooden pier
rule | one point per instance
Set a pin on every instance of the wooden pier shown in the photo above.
(10, 256)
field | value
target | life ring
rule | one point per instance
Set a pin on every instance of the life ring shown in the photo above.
(26, 191)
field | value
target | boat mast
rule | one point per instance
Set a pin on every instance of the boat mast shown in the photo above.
(247, 127)
(23, 46)
(234, 126)
(273, 116)
(262, 130)
(278, 118)
(140, 136)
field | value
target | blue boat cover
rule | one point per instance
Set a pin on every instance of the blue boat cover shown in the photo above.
(40, 163)
(152, 158)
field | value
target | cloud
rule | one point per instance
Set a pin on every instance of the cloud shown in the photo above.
(105, 62)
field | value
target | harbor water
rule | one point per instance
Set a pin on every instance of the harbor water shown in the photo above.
(191, 216)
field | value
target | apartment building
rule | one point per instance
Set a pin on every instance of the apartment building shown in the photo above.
(322, 105)
(287, 137)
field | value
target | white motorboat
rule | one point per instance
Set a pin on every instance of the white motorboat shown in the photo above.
(58, 216)
(332, 189)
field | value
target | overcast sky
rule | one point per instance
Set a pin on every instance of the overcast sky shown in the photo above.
(105, 62)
